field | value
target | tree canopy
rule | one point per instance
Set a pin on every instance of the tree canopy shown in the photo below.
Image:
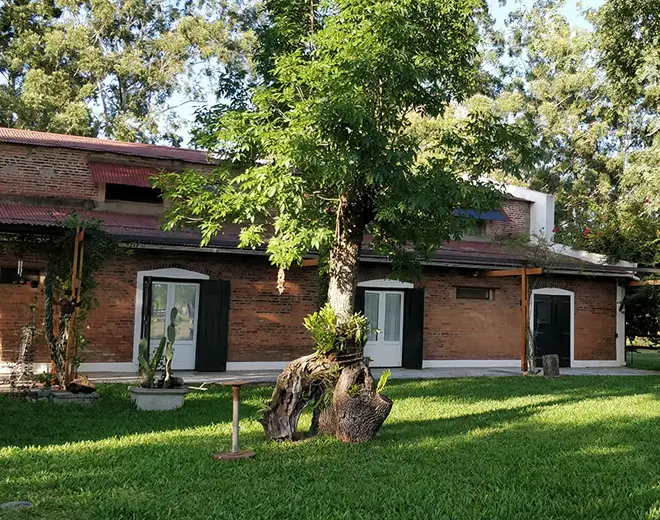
(325, 151)
(114, 67)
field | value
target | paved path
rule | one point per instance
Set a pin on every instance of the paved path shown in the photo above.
(269, 376)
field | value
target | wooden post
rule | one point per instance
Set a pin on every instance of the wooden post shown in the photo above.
(524, 319)
(235, 453)
(236, 418)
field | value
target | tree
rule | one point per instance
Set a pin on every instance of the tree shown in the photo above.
(41, 89)
(323, 153)
(115, 67)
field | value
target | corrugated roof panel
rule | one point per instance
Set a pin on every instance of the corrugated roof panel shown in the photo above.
(121, 174)
(13, 135)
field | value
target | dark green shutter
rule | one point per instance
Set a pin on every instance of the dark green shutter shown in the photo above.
(212, 326)
(359, 300)
(413, 328)
(145, 325)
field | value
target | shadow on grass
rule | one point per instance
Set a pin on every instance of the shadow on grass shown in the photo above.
(470, 390)
(493, 465)
(42, 423)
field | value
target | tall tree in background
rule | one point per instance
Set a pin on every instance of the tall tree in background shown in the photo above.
(40, 87)
(114, 67)
(323, 153)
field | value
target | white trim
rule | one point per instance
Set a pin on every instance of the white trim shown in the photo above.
(256, 365)
(597, 363)
(172, 272)
(470, 363)
(37, 368)
(386, 284)
(554, 292)
(108, 367)
(586, 256)
(40, 368)
(620, 326)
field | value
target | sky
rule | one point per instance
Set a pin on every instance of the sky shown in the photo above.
(572, 10)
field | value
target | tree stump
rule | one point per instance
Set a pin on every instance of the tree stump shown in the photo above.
(301, 381)
(357, 411)
(550, 365)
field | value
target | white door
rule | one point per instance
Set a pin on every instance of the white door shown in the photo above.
(384, 310)
(185, 297)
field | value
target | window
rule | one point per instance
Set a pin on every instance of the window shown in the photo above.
(474, 293)
(10, 275)
(124, 193)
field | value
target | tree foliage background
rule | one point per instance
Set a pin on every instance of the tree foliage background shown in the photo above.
(116, 68)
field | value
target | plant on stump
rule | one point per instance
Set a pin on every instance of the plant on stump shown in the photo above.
(322, 153)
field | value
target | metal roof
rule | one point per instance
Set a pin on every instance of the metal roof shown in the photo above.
(121, 174)
(93, 144)
(136, 230)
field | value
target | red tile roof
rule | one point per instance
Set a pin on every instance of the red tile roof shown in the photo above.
(121, 174)
(13, 135)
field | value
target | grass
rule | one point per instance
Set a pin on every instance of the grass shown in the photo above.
(489, 448)
(648, 359)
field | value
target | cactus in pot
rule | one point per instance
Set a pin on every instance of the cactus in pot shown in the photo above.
(148, 366)
(169, 348)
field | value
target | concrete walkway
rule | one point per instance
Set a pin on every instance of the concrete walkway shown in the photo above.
(269, 376)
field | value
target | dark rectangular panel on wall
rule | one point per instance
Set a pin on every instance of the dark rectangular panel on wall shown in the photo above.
(212, 326)
(145, 325)
(413, 328)
(359, 300)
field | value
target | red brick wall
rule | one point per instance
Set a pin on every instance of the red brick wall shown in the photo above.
(266, 326)
(15, 301)
(595, 314)
(482, 329)
(518, 223)
(59, 172)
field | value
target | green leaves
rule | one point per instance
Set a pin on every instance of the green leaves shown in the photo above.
(111, 66)
(331, 120)
(332, 336)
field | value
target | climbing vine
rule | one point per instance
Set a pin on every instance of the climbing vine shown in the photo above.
(63, 314)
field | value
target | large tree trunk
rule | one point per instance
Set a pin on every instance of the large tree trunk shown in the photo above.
(356, 412)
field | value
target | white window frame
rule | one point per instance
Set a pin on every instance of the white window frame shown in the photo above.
(172, 272)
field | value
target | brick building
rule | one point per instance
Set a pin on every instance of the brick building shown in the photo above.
(230, 313)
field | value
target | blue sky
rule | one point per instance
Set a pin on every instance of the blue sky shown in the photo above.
(572, 10)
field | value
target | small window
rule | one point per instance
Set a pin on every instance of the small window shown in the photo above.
(124, 193)
(474, 293)
(478, 229)
(10, 275)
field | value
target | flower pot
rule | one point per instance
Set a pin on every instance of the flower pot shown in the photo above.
(159, 399)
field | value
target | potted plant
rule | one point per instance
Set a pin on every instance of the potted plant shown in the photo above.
(168, 392)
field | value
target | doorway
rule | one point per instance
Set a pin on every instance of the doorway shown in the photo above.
(552, 325)
(184, 296)
(384, 310)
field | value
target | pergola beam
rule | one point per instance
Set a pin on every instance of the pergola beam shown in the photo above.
(512, 272)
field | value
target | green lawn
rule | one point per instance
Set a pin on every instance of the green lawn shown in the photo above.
(648, 359)
(491, 448)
